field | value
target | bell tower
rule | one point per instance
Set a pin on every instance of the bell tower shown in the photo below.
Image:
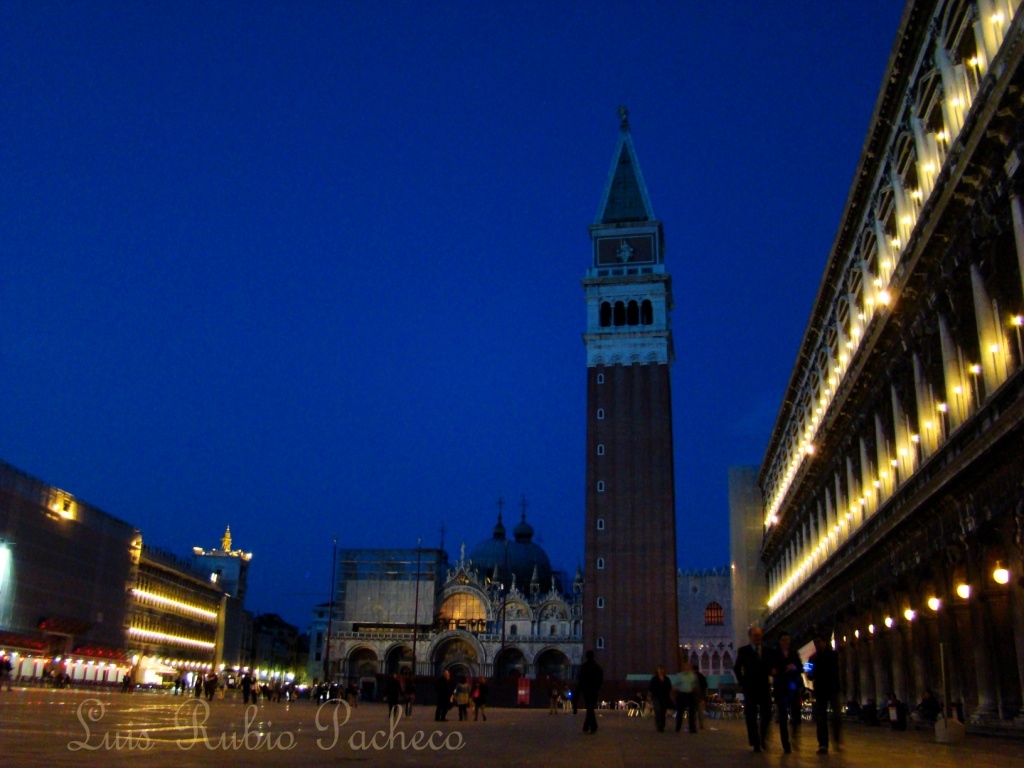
(630, 601)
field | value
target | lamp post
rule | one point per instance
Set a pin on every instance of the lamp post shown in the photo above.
(416, 610)
(504, 605)
(975, 371)
(330, 616)
(1018, 321)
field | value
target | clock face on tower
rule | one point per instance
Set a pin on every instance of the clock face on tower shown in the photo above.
(631, 249)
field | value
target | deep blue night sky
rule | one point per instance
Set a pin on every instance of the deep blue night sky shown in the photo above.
(312, 269)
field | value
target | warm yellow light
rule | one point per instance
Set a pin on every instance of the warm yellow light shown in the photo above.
(843, 358)
(934, 603)
(910, 614)
(963, 591)
(1017, 319)
(871, 628)
(810, 449)
(917, 195)
(903, 452)
(896, 243)
(889, 622)
(884, 297)
(871, 302)
(997, 18)
(160, 637)
(955, 103)
(941, 136)
(878, 282)
(895, 462)
(184, 607)
(849, 345)
(916, 438)
(994, 348)
(973, 61)
(975, 369)
(958, 390)
(929, 168)
(943, 407)
(856, 633)
(927, 425)
(878, 483)
(904, 220)
(1000, 575)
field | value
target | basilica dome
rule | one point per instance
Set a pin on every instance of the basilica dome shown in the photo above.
(519, 558)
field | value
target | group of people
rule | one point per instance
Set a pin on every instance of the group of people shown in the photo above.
(685, 691)
(772, 678)
(451, 693)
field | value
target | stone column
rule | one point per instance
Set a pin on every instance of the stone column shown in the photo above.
(1016, 587)
(953, 376)
(1017, 208)
(885, 468)
(866, 668)
(867, 483)
(899, 636)
(926, 415)
(981, 635)
(850, 685)
(989, 336)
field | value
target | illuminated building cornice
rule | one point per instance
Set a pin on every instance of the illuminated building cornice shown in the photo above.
(149, 636)
(177, 605)
(940, 123)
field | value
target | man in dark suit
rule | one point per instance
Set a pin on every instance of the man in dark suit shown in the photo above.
(752, 668)
(786, 675)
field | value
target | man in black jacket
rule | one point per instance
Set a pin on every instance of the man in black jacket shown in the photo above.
(824, 672)
(588, 684)
(787, 672)
(443, 690)
(661, 696)
(752, 668)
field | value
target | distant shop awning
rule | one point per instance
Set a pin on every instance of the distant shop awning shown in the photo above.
(64, 625)
(13, 641)
(98, 651)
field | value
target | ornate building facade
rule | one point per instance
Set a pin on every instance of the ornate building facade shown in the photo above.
(706, 623)
(476, 617)
(893, 502)
(630, 607)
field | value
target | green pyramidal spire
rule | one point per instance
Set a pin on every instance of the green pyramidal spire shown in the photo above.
(625, 194)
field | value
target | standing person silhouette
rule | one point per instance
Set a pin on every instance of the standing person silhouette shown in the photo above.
(588, 684)
(752, 667)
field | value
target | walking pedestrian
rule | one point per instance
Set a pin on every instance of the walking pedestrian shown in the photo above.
(661, 696)
(752, 667)
(824, 672)
(588, 683)
(786, 676)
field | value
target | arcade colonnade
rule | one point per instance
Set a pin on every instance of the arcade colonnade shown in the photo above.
(892, 485)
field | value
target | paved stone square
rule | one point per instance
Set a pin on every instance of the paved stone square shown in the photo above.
(41, 727)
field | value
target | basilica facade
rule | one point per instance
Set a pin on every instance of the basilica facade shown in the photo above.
(498, 612)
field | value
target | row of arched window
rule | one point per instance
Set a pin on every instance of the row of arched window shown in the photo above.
(622, 313)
